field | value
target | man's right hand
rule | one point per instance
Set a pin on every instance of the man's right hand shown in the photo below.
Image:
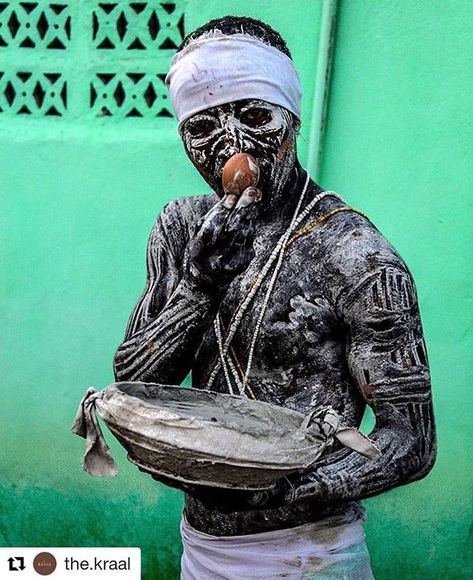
(222, 247)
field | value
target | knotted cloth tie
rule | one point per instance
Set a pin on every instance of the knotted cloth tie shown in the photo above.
(97, 458)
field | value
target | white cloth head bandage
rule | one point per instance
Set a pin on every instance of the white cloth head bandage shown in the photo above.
(220, 69)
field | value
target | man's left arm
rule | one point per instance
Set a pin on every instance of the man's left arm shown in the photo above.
(387, 358)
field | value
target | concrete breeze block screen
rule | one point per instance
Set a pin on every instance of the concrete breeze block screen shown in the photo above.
(87, 59)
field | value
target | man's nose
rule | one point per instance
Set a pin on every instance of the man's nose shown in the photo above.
(231, 143)
(233, 136)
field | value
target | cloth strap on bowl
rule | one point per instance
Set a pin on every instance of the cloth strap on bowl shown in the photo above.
(326, 424)
(97, 458)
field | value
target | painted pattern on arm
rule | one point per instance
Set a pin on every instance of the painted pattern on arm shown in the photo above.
(387, 358)
(167, 323)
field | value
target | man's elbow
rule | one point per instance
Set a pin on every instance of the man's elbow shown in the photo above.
(426, 455)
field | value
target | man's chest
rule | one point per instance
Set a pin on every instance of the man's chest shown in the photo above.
(280, 325)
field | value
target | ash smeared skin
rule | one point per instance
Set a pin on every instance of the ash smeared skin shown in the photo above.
(261, 129)
(342, 327)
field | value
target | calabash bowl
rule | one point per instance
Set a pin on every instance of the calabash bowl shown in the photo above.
(208, 438)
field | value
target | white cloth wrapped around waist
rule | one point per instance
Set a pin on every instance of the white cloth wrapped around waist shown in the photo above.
(333, 548)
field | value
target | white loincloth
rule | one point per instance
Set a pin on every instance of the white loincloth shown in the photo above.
(325, 550)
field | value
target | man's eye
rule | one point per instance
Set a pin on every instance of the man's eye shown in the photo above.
(200, 127)
(256, 117)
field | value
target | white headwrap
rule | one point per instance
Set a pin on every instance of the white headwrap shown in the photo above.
(216, 69)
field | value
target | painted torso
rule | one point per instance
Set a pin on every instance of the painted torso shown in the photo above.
(299, 359)
(341, 328)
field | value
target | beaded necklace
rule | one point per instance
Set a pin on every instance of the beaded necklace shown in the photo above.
(224, 361)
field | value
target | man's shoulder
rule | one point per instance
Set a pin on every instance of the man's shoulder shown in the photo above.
(183, 212)
(346, 236)
(189, 206)
(177, 220)
(353, 242)
(356, 253)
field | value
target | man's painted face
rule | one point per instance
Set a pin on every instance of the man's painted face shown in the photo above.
(264, 130)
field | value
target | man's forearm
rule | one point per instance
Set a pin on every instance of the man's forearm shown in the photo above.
(163, 350)
(345, 475)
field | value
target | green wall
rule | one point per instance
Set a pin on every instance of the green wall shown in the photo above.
(79, 198)
(399, 146)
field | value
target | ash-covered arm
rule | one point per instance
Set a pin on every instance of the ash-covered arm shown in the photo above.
(387, 358)
(167, 324)
(182, 297)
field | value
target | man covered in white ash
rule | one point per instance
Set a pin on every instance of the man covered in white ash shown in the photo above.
(284, 294)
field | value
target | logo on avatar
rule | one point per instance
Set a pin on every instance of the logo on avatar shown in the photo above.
(44, 563)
